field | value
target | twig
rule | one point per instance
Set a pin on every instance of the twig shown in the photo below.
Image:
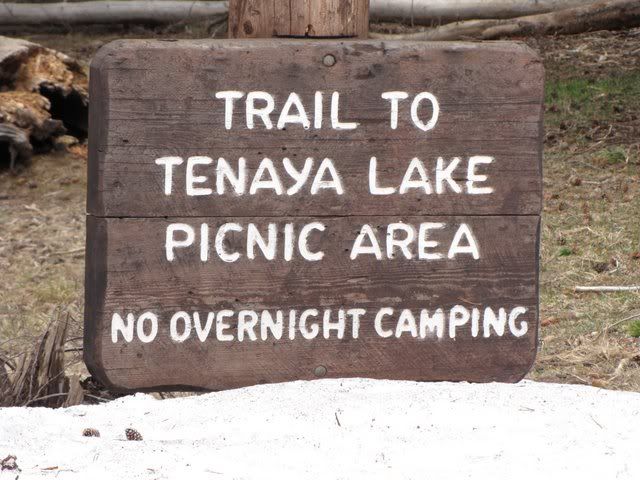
(607, 288)
(45, 397)
(585, 382)
(7, 361)
(595, 421)
(68, 252)
(621, 366)
(615, 324)
(99, 399)
(214, 27)
(53, 395)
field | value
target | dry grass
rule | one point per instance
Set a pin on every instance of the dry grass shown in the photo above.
(39, 375)
(41, 246)
(591, 221)
(590, 236)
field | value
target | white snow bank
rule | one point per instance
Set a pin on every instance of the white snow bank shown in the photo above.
(338, 429)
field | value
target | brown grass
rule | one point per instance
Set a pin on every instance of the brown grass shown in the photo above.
(591, 227)
(41, 243)
(38, 376)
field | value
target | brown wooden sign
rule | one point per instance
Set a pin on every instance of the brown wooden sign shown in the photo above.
(271, 210)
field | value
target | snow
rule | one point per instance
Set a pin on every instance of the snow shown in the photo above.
(338, 429)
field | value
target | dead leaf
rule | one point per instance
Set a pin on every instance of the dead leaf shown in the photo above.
(549, 321)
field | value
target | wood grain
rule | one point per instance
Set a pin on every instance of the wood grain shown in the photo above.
(300, 18)
(131, 274)
(154, 99)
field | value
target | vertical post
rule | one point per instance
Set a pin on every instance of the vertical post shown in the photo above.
(298, 18)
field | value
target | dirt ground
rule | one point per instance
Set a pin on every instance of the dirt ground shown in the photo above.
(591, 219)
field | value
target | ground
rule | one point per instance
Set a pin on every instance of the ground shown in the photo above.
(590, 235)
(335, 429)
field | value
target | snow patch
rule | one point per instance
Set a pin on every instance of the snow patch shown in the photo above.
(337, 429)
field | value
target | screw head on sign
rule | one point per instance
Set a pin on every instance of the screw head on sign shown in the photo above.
(329, 60)
(320, 371)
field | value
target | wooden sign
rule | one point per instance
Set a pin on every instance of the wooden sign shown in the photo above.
(271, 210)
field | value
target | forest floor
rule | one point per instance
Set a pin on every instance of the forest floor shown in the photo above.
(590, 233)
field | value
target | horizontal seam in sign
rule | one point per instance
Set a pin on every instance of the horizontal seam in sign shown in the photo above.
(317, 37)
(142, 217)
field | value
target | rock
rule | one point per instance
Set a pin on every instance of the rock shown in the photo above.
(64, 142)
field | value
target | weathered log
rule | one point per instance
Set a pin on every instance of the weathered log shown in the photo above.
(44, 94)
(29, 112)
(431, 11)
(602, 15)
(26, 122)
(13, 53)
(29, 67)
(158, 12)
(135, 11)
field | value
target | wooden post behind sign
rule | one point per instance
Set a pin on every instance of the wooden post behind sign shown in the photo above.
(301, 18)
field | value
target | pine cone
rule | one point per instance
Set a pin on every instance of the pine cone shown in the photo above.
(133, 435)
(90, 432)
(9, 463)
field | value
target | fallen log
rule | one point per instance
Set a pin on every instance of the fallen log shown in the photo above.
(26, 66)
(167, 11)
(602, 15)
(29, 112)
(431, 11)
(43, 95)
(136, 11)
(25, 125)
